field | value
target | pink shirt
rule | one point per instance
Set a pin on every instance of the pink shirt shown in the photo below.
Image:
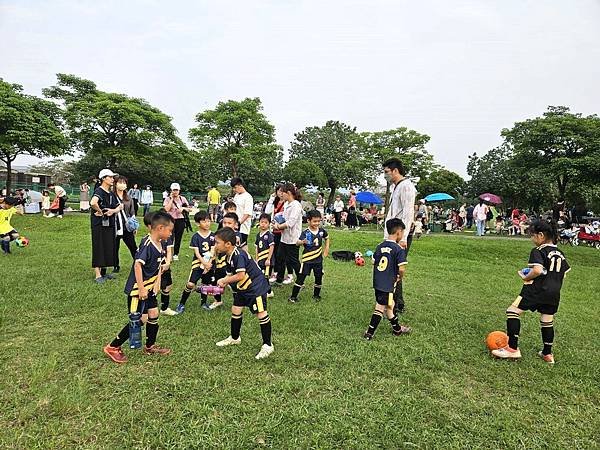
(178, 203)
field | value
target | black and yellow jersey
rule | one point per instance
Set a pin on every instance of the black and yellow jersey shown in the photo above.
(254, 282)
(546, 287)
(388, 258)
(313, 249)
(264, 242)
(151, 255)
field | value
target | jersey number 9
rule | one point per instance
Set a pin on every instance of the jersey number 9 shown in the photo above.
(383, 263)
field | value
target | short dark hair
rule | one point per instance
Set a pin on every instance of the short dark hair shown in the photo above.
(227, 235)
(50, 185)
(148, 218)
(161, 218)
(237, 181)
(394, 225)
(233, 216)
(229, 205)
(11, 201)
(200, 216)
(313, 214)
(265, 216)
(395, 163)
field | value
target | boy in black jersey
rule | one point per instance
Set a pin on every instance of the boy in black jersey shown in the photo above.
(142, 287)
(202, 243)
(250, 289)
(231, 220)
(316, 246)
(542, 281)
(264, 245)
(389, 265)
(228, 207)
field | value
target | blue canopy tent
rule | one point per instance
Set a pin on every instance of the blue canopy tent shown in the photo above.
(368, 197)
(438, 197)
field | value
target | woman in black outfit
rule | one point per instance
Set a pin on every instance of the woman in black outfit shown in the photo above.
(128, 237)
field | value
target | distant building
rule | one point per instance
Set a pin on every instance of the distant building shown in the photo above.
(23, 177)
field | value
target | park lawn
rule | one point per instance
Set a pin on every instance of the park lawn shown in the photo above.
(324, 387)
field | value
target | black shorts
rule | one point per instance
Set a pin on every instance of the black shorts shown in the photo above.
(166, 279)
(531, 305)
(384, 298)
(134, 304)
(307, 267)
(10, 234)
(243, 239)
(255, 304)
(207, 278)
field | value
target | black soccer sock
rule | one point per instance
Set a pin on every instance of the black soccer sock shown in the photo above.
(318, 285)
(102, 271)
(375, 319)
(203, 299)
(547, 336)
(265, 329)
(296, 290)
(236, 325)
(513, 327)
(121, 337)
(218, 298)
(395, 324)
(185, 295)
(165, 298)
(151, 331)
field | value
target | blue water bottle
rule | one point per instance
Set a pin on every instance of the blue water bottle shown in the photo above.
(525, 271)
(135, 330)
(309, 238)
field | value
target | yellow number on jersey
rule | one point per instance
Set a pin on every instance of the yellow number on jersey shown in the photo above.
(383, 263)
(205, 246)
(555, 264)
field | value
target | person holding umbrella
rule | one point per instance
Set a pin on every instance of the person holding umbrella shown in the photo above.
(480, 215)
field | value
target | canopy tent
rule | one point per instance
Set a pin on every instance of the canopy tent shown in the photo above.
(438, 197)
(368, 197)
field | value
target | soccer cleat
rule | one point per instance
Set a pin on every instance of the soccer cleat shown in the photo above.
(175, 257)
(403, 330)
(115, 353)
(368, 336)
(289, 279)
(273, 278)
(265, 351)
(49, 216)
(205, 307)
(317, 298)
(229, 341)
(506, 353)
(168, 312)
(270, 294)
(547, 358)
(293, 300)
(155, 350)
(110, 276)
(100, 280)
(215, 305)
(180, 309)
(59, 216)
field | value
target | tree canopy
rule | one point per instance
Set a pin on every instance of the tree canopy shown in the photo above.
(441, 180)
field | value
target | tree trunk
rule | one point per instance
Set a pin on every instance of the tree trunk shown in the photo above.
(234, 170)
(8, 163)
(332, 188)
(562, 187)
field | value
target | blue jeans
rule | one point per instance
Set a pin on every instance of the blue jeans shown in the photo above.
(480, 227)
(146, 208)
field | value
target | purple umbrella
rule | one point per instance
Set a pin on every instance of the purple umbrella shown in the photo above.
(491, 198)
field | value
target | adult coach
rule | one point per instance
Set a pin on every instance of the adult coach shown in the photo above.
(402, 206)
(244, 204)
(175, 204)
(288, 251)
(214, 199)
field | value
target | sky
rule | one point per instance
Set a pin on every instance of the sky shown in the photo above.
(458, 71)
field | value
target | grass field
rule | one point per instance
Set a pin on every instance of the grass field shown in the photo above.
(324, 387)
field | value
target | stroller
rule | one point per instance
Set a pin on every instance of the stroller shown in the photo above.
(567, 235)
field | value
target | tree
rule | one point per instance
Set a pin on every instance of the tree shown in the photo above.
(303, 172)
(28, 126)
(565, 145)
(338, 150)
(236, 140)
(114, 130)
(441, 180)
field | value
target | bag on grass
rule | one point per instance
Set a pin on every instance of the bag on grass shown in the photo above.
(343, 255)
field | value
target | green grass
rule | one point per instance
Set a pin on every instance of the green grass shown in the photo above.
(324, 387)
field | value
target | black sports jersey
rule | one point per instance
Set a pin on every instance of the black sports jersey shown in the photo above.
(202, 243)
(254, 283)
(264, 242)
(239, 242)
(546, 287)
(313, 251)
(389, 256)
(151, 257)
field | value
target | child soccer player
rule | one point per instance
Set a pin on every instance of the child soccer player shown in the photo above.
(316, 246)
(231, 220)
(203, 242)
(264, 245)
(142, 286)
(389, 265)
(250, 289)
(7, 232)
(540, 292)
(229, 207)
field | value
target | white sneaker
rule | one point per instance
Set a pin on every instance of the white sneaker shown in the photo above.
(289, 279)
(215, 305)
(168, 312)
(273, 278)
(265, 351)
(59, 217)
(175, 257)
(50, 215)
(270, 294)
(229, 341)
(507, 353)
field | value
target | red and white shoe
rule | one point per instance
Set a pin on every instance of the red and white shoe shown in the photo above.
(115, 353)
(547, 358)
(507, 353)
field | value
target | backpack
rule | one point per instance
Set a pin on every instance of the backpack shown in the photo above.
(343, 255)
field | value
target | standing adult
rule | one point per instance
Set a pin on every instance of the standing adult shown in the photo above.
(127, 211)
(291, 229)
(104, 206)
(320, 204)
(61, 194)
(244, 208)
(470, 210)
(402, 206)
(278, 205)
(462, 214)
(352, 221)
(175, 204)
(146, 199)
(214, 199)
(480, 216)
(135, 195)
(338, 207)
(84, 197)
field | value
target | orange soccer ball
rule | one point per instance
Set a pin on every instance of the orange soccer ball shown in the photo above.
(496, 340)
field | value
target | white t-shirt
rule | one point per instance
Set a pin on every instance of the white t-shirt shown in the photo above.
(338, 206)
(480, 212)
(292, 212)
(402, 205)
(59, 191)
(244, 204)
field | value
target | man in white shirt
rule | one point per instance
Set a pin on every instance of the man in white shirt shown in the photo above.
(480, 216)
(61, 194)
(402, 206)
(338, 207)
(244, 208)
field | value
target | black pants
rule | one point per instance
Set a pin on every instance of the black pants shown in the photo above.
(129, 240)
(178, 234)
(338, 219)
(279, 263)
(136, 205)
(288, 253)
(61, 205)
(398, 297)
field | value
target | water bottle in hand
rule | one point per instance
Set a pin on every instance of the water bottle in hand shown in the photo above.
(135, 330)
(309, 238)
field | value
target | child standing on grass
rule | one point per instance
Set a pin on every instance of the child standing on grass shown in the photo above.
(540, 292)
(202, 243)
(7, 232)
(316, 246)
(389, 266)
(142, 287)
(250, 289)
(45, 202)
(264, 245)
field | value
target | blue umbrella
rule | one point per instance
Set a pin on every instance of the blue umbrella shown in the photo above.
(438, 197)
(368, 197)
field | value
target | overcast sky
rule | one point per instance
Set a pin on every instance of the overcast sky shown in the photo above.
(458, 71)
